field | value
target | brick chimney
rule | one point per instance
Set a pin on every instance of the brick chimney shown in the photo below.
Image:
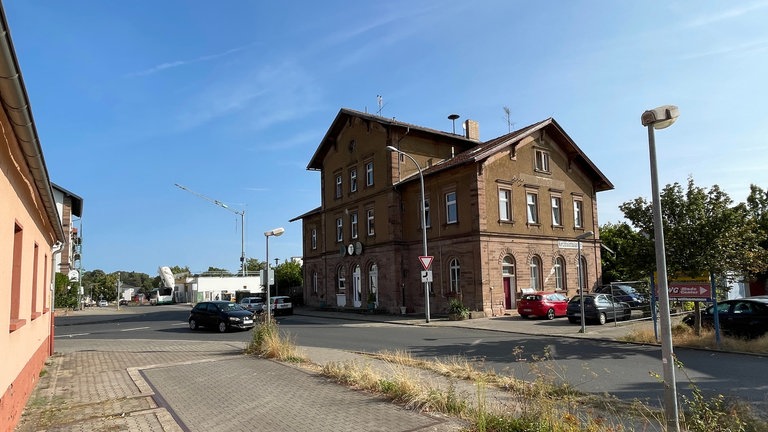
(472, 130)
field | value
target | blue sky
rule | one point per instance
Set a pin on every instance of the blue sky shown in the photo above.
(231, 100)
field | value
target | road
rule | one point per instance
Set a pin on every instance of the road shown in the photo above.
(595, 366)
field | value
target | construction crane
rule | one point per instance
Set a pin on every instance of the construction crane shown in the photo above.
(241, 213)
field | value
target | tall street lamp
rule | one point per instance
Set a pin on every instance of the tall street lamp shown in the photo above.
(660, 118)
(267, 234)
(423, 223)
(579, 238)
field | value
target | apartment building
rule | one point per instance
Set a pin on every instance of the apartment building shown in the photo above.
(502, 217)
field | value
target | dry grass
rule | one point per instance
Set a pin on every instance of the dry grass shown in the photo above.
(269, 342)
(684, 336)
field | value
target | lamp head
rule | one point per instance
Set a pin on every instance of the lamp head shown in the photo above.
(391, 148)
(275, 232)
(660, 117)
(587, 234)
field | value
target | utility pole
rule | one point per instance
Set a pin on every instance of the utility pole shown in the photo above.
(241, 213)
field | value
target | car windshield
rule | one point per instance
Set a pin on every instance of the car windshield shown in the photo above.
(531, 297)
(229, 307)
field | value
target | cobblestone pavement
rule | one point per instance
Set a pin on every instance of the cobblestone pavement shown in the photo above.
(144, 385)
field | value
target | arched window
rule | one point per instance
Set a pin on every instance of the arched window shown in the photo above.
(356, 286)
(341, 279)
(508, 266)
(373, 281)
(536, 273)
(584, 273)
(455, 272)
(560, 274)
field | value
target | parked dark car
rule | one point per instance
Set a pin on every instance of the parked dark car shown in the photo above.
(747, 317)
(220, 315)
(542, 304)
(598, 308)
(625, 294)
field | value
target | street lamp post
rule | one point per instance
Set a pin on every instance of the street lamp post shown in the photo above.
(579, 238)
(660, 118)
(267, 234)
(423, 223)
(240, 213)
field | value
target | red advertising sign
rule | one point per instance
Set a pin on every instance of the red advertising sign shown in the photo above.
(696, 290)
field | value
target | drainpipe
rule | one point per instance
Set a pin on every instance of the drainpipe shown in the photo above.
(55, 250)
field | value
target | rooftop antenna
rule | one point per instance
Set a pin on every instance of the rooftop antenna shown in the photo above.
(380, 102)
(453, 118)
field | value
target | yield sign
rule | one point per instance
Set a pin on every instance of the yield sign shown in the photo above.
(426, 261)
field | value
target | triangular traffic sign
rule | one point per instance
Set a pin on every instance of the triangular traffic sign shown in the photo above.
(426, 261)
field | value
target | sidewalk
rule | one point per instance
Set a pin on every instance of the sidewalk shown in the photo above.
(145, 385)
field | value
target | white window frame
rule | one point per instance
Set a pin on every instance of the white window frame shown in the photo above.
(532, 207)
(353, 180)
(341, 279)
(541, 162)
(557, 210)
(313, 237)
(314, 282)
(339, 184)
(454, 274)
(370, 222)
(353, 224)
(451, 208)
(578, 213)
(427, 214)
(560, 274)
(339, 230)
(535, 265)
(369, 174)
(505, 204)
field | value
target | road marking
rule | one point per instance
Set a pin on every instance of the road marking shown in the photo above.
(181, 324)
(137, 328)
(71, 335)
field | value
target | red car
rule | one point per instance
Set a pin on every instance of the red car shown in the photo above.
(542, 304)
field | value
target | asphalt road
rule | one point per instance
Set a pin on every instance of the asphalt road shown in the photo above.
(596, 366)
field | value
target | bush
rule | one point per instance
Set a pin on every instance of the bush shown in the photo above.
(457, 308)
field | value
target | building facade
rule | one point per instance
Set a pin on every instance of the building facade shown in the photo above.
(502, 216)
(30, 238)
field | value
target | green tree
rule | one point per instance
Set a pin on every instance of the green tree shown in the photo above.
(757, 206)
(253, 265)
(66, 293)
(215, 271)
(632, 255)
(288, 275)
(703, 230)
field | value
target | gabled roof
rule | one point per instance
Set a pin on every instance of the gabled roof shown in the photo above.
(501, 143)
(316, 163)
(309, 213)
(77, 201)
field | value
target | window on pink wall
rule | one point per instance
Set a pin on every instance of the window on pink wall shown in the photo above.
(35, 288)
(16, 321)
(45, 283)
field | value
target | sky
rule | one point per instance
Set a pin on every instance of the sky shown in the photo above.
(231, 100)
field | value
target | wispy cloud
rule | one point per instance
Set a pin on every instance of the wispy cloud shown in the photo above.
(272, 94)
(726, 14)
(179, 63)
(743, 48)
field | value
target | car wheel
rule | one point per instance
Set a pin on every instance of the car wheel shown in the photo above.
(551, 314)
(627, 314)
(572, 320)
(525, 316)
(601, 319)
(222, 327)
(193, 324)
